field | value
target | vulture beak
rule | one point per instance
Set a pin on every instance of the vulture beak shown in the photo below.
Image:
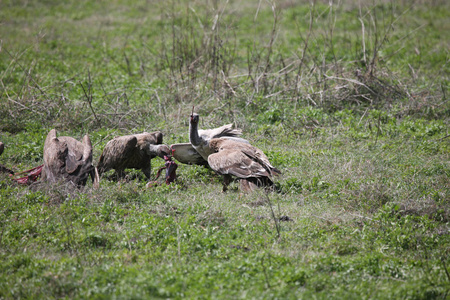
(192, 114)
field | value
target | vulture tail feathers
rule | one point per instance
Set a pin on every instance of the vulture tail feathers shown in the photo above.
(265, 164)
(87, 154)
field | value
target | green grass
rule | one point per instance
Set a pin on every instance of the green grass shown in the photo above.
(363, 206)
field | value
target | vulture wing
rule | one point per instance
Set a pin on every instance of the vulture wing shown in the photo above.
(235, 163)
(74, 157)
(237, 159)
(55, 152)
(236, 139)
(225, 130)
(116, 151)
(240, 159)
(186, 154)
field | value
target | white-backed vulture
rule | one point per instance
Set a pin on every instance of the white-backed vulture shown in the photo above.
(68, 159)
(242, 160)
(132, 152)
(198, 150)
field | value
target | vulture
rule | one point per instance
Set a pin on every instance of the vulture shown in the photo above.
(68, 159)
(242, 160)
(197, 150)
(132, 152)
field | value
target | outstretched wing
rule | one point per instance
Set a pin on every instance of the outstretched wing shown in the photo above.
(186, 154)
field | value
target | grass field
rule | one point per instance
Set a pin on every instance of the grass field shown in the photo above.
(348, 99)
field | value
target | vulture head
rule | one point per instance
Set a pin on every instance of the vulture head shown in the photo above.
(196, 152)
(194, 119)
(194, 138)
(158, 150)
(68, 159)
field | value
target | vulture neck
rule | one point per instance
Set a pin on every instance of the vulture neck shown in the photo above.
(155, 150)
(193, 134)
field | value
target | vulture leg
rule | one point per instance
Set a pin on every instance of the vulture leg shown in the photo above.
(120, 174)
(147, 172)
(95, 178)
(226, 182)
(253, 183)
(248, 186)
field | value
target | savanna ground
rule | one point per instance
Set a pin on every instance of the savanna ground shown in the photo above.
(349, 99)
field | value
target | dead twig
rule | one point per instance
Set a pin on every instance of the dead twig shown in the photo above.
(277, 224)
(89, 96)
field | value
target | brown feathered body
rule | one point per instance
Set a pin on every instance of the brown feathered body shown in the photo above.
(132, 152)
(68, 159)
(242, 160)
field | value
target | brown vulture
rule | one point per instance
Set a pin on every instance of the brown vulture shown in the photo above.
(198, 150)
(132, 152)
(242, 160)
(68, 159)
